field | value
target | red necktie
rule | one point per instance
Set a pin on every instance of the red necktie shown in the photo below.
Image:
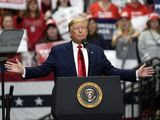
(81, 63)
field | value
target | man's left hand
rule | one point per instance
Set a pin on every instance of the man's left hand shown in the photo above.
(145, 71)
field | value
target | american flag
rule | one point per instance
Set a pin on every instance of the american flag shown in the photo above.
(31, 98)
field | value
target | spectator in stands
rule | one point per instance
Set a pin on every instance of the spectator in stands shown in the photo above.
(62, 14)
(135, 8)
(33, 21)
(149, 39)
(8, 13)
(8, 21)
(51, 32)
(93, 37)
(50, 38)
(62, 4)
(103, 9)
(124, 38)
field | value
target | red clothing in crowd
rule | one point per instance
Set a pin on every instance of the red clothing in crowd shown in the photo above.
(135, 12)
(35, 28)
(97, 11)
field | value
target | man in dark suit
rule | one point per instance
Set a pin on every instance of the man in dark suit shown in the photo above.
(76, 58)
(63, 60)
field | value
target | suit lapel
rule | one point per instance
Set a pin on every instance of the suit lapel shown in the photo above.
(70, 58)
(91, 60)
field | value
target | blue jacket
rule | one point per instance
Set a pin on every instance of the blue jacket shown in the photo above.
(61, 62)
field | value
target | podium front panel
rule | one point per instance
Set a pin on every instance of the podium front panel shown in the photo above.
(68, 106)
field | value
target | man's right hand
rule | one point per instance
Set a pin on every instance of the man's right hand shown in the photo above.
(15, 67)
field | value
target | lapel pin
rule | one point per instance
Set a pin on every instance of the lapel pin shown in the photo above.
(91, 52)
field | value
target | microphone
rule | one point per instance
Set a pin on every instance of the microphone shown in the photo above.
(85, 43)
(11, 90)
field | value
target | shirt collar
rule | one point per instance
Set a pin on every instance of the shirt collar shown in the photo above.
(75, 45)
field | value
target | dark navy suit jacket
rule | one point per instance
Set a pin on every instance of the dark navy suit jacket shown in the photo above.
(61, 62)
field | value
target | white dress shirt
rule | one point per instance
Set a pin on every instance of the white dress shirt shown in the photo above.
(85, 55)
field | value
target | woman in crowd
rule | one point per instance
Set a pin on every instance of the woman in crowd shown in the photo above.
(103, 9)
(93, 37)
(33, 21)
(62, 14)
(135, 9)
(61, 4)
(124, 38)
(51, 32)
(50, 38)
(8, 21)
(149, 39)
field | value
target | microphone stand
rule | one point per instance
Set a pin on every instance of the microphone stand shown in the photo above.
(2, 61)
(6, 100)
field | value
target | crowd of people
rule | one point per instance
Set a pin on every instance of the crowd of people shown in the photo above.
(46, 23)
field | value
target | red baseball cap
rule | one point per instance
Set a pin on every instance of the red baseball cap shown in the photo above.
(125, 14)
(50, 22)
(153, 16)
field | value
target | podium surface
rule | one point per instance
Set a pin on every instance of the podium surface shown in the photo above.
(67, 106)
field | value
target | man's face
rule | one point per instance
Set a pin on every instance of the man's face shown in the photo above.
(78, 32)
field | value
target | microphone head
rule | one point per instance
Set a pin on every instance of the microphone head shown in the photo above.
(84, 42)
(11, 90)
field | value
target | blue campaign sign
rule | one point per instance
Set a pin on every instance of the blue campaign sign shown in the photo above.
(157, 6)
(156, 1)
(106, 28)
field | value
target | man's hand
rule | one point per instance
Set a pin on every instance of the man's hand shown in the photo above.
(15, 67)
(145, 71)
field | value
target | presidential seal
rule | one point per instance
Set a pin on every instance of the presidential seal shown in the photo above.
(89, 95)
